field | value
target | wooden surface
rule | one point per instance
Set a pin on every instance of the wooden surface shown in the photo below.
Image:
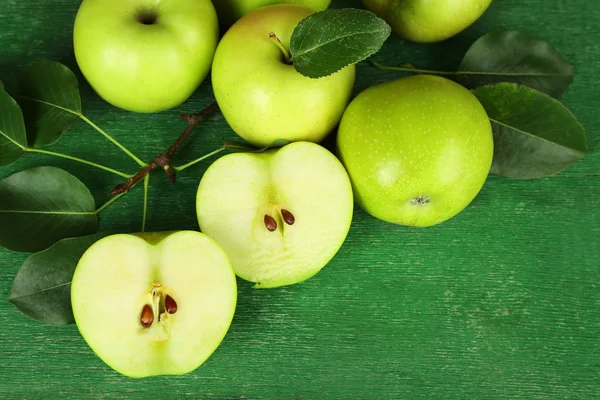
(500, 302)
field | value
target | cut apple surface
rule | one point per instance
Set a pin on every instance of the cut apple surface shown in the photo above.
(154, 304)
(280, 215)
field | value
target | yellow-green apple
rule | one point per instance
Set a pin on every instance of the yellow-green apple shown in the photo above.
(260, 93)
(281, 215)
(418, 149)
(428, 20)
(154, 304)
(145, 55)
(230, 11)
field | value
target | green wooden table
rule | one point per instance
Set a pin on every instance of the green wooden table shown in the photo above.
(502, 301)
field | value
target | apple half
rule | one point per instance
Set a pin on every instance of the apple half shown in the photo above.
(280, 215)
(154, 304)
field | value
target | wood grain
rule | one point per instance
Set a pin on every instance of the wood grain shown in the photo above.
(501, 302)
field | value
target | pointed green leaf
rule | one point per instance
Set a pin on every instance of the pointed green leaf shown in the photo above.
(12, 129)
(48, 92)
(514, 57)
(534, 135)
(42, 287)
(39, 206)
(327, 41)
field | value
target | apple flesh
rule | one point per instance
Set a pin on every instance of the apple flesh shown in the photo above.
(281, 215)
(428, 21)
(418, 149)
(230, 11)
(262, 97)
(145, 56)
(154, 304)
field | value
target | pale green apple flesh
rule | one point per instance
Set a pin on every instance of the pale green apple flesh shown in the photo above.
(281, 215)
(418, 149)
(154, 304)
(145, 55)
(262, 97)
(230, 11)
(428, 21)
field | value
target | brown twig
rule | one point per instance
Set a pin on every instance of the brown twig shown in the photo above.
(164, 160)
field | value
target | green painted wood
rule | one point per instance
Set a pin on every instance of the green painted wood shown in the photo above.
(501, 302)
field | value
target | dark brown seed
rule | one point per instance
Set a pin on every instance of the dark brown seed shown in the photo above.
(270, 223)
(147, 317)
(170, 305)
(288, 217)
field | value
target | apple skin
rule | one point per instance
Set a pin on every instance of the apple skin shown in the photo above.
(118, 275)
(263, 98)
(145, 68)
(421, 139)
(230, 11)
(428, 21)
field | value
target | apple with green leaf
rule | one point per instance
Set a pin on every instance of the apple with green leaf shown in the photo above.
(154, 304)
(280, 215)
(418, 149)
(428, 21)
(145, 56)
(262, 96)
(230, 11)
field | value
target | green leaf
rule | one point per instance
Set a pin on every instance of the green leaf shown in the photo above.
(13, 139)
(49, 95)
(245, 147)
(327, 41)
(515, 57)
(534, 135)
(39, 206)
(42, 287)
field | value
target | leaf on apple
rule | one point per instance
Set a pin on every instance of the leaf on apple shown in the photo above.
(42, 205)
(42, 287)
(48, 92)
(534, 134)
(327, 41)
(512, 56)
(13, 139)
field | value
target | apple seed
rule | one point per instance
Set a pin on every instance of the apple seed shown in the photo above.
(288, 217)
(170, 305)
(270, 223)
(147, 317)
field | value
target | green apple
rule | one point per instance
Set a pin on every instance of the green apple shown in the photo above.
(281, 215)
(428, 21)
(145, 55)
(261, 95)
(154, 304)
(418, 149)
(230, 11)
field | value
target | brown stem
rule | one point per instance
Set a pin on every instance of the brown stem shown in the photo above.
(164, 160)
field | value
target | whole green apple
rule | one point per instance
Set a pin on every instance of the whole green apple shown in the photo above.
(230, 11)
(428, 20)
(280, 215)
(145, 55)
(261, 95)
(154, 303)
(417, 149)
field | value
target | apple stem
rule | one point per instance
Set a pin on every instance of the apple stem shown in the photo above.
(284, 50)
(164, 160)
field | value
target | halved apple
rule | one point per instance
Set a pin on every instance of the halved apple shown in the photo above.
(281, 215)
(154, 304)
